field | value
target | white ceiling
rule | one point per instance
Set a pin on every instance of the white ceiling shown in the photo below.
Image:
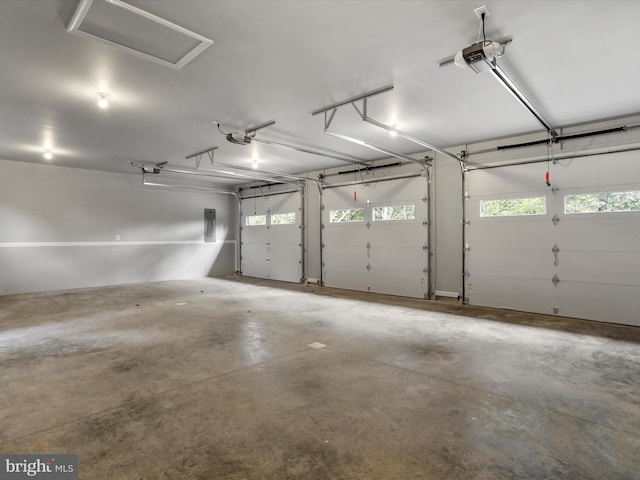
(279, 60)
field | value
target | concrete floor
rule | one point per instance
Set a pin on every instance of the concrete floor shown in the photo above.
(217, 379)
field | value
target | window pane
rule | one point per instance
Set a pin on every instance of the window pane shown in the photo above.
(602, 202)
(283, 218)
(400, 212)
(513, 207)
(253, 220)
(346, 215)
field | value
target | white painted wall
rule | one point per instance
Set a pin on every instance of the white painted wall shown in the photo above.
(447, 226)
(66, 228)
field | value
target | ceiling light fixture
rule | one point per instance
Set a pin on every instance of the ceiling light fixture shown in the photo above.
(47, 155)
(103, 101)
(254, 164)
(393, 131)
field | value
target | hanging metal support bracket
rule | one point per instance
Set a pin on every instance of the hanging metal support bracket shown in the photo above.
(198, 156)
(371, 93)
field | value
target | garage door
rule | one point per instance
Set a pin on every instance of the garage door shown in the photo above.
(377, 242)
(572, 249)
(271, 245)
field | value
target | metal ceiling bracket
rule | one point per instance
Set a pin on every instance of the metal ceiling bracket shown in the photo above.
(327, 121)
(252, 130)
(371, 93)
(198, 156)
(365, 118)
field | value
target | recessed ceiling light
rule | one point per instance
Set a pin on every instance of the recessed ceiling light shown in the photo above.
(393, 132)
(254, 164)
(47, 155)
(103, 101)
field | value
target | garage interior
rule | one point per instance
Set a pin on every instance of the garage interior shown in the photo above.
(321, 239)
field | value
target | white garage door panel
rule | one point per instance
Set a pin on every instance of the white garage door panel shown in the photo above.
(600, 267)
(347, 277)
(254, 251)
(346, 256)
(518, 263)
(527, 233)
(272, 251)
(284, 262)
(412, 259)
(585, 232)
(346, 234)
(400, 233)
(513, 293)
(507, 180)
(599, 253)
(395, 251)
(606, 303)
(613, 169)
(397, 282)
(254, 261)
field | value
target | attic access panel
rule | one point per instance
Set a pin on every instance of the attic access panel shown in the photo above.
(138, 32)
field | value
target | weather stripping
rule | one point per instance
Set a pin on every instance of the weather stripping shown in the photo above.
(138, 32)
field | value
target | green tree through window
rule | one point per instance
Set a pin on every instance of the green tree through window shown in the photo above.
(346, 215)
(602, 202)
(513, 207)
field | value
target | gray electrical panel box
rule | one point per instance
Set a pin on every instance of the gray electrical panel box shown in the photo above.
(209, 225)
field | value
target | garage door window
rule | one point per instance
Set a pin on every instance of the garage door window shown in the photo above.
(283, 218)
(255, 220)
(513, 207)
(345, 215)
(399, 212)
(602, 202)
